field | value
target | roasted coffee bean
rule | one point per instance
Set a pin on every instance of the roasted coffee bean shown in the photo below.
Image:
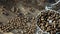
(49, 21)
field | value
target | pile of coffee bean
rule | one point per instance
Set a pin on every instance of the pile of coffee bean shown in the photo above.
(49, 21)
(26, 24)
